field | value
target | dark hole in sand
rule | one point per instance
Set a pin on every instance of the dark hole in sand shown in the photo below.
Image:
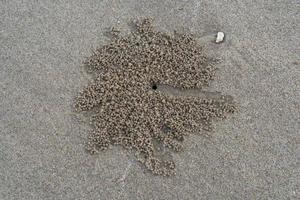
(154, 86)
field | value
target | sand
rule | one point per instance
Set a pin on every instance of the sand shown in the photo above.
(252, 154)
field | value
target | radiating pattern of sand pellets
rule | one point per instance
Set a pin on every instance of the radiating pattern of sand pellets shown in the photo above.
(130, 111)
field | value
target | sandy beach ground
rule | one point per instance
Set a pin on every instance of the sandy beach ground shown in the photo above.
(254, 154)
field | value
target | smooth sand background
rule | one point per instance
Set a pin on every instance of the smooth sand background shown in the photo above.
(253, 155)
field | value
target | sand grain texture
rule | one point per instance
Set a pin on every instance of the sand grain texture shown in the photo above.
(253, 154)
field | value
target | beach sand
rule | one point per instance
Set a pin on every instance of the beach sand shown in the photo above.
(253, 154)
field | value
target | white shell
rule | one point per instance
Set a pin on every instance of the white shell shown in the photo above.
(220, 37)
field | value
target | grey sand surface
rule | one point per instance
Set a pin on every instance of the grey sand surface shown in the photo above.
(252, 155)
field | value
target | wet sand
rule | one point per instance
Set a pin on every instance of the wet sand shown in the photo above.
(253, 154)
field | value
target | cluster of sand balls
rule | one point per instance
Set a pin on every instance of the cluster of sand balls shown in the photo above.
(126, 107)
